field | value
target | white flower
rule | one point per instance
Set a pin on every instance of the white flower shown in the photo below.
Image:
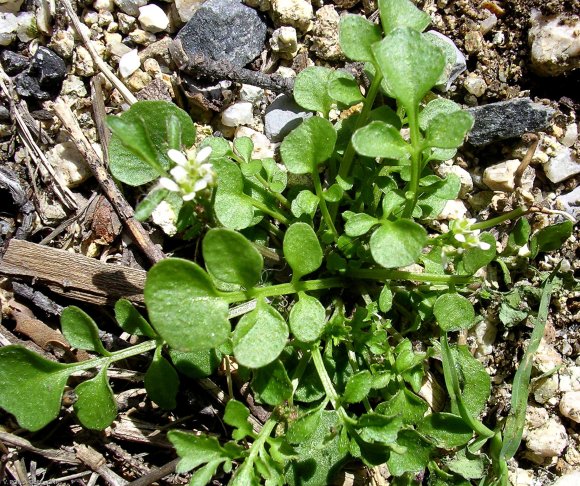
(192, 173)
(467, 237)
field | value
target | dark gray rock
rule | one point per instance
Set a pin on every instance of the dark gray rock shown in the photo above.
(507, 119)
(29, 87)
(48, 68)
(13, 63)
(283, 116)
(224, 30)
(4, 114)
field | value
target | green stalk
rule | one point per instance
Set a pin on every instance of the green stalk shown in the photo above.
(384, 274)
(490, 223)
(116, 356)
(416, 164)
(270, 212)
(282, 289)
(323, 207)
(298, 372)
(281, 199)
(348, 156)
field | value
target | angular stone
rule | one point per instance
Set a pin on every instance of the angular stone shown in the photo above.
(507, 119)
(13, 63)
(48, 68)
(283, 116)
(224, 30)
(561, 166)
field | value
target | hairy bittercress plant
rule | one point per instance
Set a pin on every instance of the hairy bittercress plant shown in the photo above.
(364, 271)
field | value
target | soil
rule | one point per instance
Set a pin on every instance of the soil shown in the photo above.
(136, 444)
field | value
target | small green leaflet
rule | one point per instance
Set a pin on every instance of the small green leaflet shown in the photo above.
(310, 89)
(308, 145)
(402, 13)
(81, 331)
(131, 321)
(231, 258)
(453, 312)
(28, 380)
(398, 243)
(356, 36)
(378, 139)
(260, 336)
(302, 249)
(162, 382)
(184, 306)
(96, 407)
(307, 318)
(236, 415)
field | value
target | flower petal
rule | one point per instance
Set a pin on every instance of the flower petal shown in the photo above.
(178, 157)
(203, 155)
(169, 184)
(179, 174)
(189, 196)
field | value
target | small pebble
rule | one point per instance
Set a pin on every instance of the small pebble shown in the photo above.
(570, 479)
(240, 113)
(561, 166)
(263, 149)
(570, 405)
(130, 7)
(129, 63)
(295, 13)
(501, 177)
(153, 19)
(475, 85)
(284, 42)
(69, 165)
(252, 94)
(545, 435)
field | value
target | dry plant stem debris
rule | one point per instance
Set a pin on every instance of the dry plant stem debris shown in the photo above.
(201, 66)
(125, 212)
(97, 463)
(155, 474)
(102, 65)
(62, 192)
(50, 454)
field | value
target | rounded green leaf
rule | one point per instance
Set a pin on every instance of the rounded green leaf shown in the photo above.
(80, 330)
(302, 249)
(359, 224)
(377, 139)
(197, 364)
(453, 312)
(31, 387)
(161, 381)
(230, 257)
(385, 299)
(434, 108)
(96, 407)
(398, 243)
(448, 130)
(445, 430)
(400, 463)
(131, 321)
(343, 88)
(308, 145)
(358, 387)
(260, 336)
(356, 36)
(410, 65)
(475, 381)
(184, 307)
(402, 13)
(310, 89)
(141, 136)
(232, 206)
(475, 258)
(307, 318)
(271, 384)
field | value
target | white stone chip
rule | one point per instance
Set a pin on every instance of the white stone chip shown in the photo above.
(570, 405)
(240, 113)
(501, 177)
(545, 435)
(570, 479)
(69, 164)
(153, 19)
(561, 166)
(129, 63)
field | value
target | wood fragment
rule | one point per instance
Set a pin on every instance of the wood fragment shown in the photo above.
(98, 60)
(62, 192)
(155, 474)
(37, 298)
(139, 431)
(55, 455)
(72, 275)
(95, 460)
(200, 66)
(110, 189)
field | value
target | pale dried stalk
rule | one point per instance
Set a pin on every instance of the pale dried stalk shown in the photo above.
(62, 192)
(98, 60)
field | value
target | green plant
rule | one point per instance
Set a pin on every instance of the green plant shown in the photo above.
(339, 366)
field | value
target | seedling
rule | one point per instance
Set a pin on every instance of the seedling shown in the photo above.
(362, 270)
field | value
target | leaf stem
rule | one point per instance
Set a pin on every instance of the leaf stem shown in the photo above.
(277, 195)
(270, 212)
(490, 223)
(384, 274)
(323, 375)
(416, 165)
(323, 207)
(116, 356)
(283, 289)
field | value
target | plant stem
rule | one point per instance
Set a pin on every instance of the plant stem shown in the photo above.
(277, 195)
(323, 375)
(116, 356)
(271, 212)
(282, 289)
(323, 207)
(490, 223)
(298, 372)
(416, 165)
(384, 274)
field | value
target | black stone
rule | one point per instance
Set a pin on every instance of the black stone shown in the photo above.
(507, 119)
(224, 30)
(13, 63)
(29, 87)
(48, 68)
